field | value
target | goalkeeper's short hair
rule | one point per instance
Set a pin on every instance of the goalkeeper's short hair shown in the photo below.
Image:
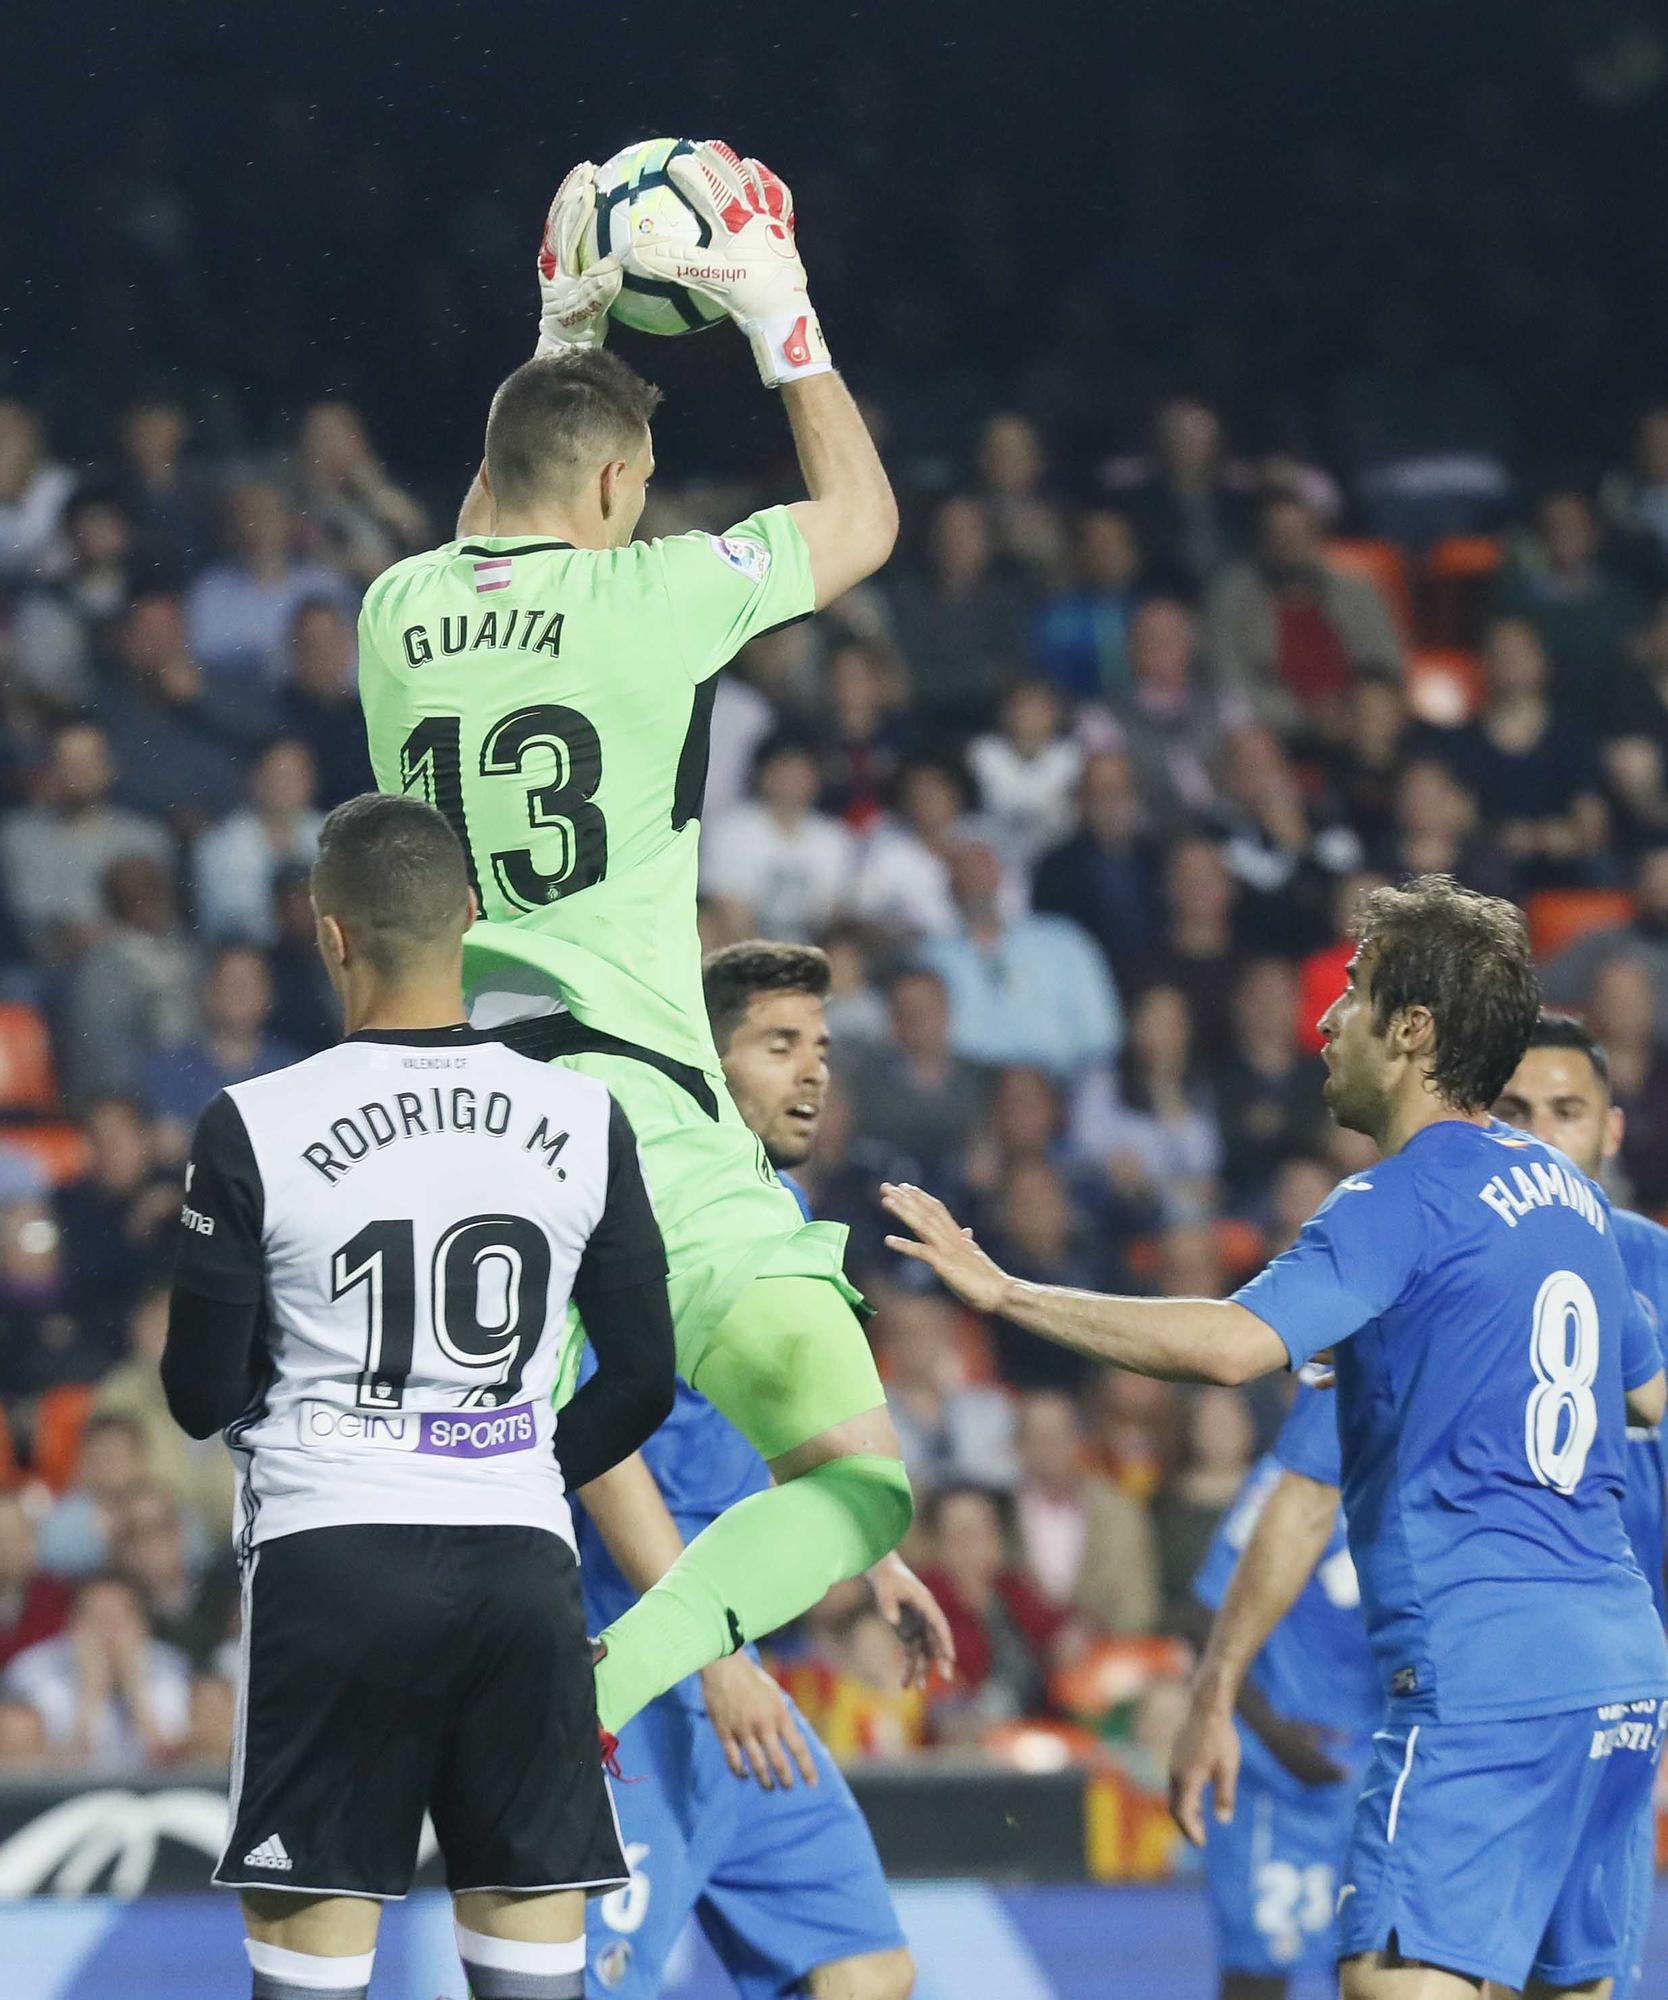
(560, 415)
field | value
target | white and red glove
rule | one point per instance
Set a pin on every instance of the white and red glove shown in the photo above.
(751, 267)
(573, 304)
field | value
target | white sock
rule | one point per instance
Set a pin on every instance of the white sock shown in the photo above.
(281, 1974)
(513, 1969)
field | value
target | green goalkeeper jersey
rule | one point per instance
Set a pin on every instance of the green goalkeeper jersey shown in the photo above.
(554, 703)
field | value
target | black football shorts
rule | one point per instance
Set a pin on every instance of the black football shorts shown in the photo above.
(393, 1670)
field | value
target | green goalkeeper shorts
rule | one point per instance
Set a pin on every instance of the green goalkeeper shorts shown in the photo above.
(725, 1216)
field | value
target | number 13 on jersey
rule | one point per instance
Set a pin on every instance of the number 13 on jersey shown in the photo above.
(568, 845)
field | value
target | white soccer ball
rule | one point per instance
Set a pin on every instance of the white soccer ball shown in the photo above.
(638, 202)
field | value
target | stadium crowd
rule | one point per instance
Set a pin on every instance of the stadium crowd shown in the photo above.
(1075, 798)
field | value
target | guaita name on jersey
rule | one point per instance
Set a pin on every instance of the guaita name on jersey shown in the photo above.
(517, 631)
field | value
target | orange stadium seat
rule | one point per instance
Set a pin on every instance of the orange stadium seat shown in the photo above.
(1557, 917)
(60, 1151)
(1443, 685)
(60, 1418)
(28, 1081)
(1384, 564)
(1115, 1672)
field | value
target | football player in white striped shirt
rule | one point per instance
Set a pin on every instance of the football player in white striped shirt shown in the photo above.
(377, 1254)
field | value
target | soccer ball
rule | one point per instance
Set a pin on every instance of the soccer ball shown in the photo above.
(638, 202)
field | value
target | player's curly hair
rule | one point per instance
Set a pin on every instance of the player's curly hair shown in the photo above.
(1466, 957)
(733, 973)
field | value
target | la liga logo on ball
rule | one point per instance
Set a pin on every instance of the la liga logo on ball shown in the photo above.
(638, 203)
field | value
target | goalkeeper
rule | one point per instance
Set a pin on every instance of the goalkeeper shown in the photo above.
(547, 683)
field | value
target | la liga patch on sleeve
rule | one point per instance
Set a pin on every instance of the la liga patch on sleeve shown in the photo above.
(751, 558)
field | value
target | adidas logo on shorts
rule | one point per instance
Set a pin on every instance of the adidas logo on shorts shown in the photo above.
(270, 1854)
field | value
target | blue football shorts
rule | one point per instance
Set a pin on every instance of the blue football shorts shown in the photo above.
(780, 1882)
(1504, 1850)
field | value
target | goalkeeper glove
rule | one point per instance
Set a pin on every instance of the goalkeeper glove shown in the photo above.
(573, 304)
(751, 267)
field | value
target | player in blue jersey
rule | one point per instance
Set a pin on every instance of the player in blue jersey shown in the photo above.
(1489, 1353)
(779, 1871)
(1306, 1712)
(1561, 1093)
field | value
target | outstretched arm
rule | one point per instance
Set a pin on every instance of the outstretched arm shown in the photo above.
(1289, 1539)
(850, 522)
(1178, 1340)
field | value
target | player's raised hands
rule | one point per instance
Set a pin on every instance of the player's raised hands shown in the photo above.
(947, 1249)
(751, 267)
(573, 304)
(755, 1724)
(915, 1615)
(1205, 1754)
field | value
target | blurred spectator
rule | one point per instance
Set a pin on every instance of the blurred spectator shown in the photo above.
(1619, 1010)
(1104, 877)
(41, 1345)
(1196, 946)
(240, 610)
(1025, 526)
(1218, 1444)
(913, 1092)
(305, 1011)
(777, 857)
(78, 1530)
(56, 853)
(171, 502)
(60, 626)
(34, 491)
(103, 1697)
(961, 626)
(1361, 767)
(1268, 1093)
(1003, 1627)
(1289, 631)
(33, 1605)
(1151, 1126)
(1435, 830)
(903, 881)
(952, 1429)
(1086, 1545)
(1035, 1232)
(355, 516)
(135, 992)
(1530, 768)
(319, 702)
(1567, 981)
(1026, 1122)
(1080, 633)
(1635, 499)
(1189, 503)
(185, 1610)
(1170, 725)
(1026, 989)
(1285, 855)
(181, 733)
(118, 1220)
(197, 1474)
(1135, 1434)
(849, 1681)
(237, 863)
(1298, 1188)
(1583, 613)
(869, 731)
(855, 1008)
(1025, 769)
(235, 1043)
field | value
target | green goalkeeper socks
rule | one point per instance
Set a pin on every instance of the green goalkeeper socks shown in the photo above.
(758, 1565)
